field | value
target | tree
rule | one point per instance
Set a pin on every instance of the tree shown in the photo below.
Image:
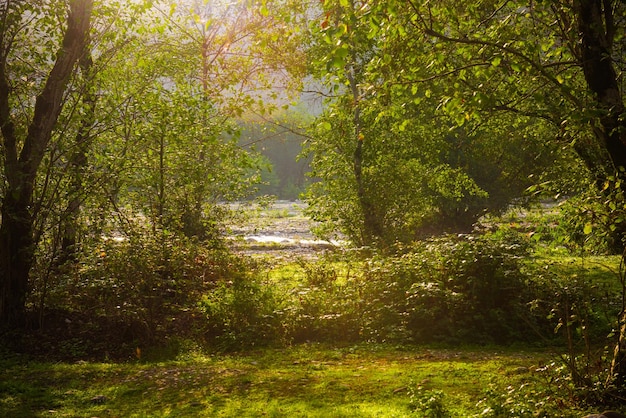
(72, 179)
(413, 159)
(554, 61)
(181, 86)
(572, 51)
(279, 140)
(560, 62)
(25, 138)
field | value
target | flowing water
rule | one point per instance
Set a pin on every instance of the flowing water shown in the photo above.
(280, 229)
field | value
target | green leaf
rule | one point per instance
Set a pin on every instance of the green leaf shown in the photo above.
(336, 62)
(342, 52)
(588, 228)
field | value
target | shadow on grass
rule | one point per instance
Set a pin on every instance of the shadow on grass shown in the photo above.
(311, 381)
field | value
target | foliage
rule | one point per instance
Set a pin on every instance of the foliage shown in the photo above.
(512, 58)
(428, 403)
(407, 187)
(143, 288)
(593, 219)
(467, 288)
(279, 140)
(173, 151)
(477, 289)
(323, 305)
(583, 313)
(398, 157)
(144, 113)
(241, 313)
(510, 403)
(429, 293)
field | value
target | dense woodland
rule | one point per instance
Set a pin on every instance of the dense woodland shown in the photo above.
(462, 150)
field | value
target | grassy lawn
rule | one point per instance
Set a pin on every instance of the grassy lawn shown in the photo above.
(301, 381)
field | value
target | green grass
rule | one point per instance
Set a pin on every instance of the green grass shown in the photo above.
(300, 271)
(301, 381)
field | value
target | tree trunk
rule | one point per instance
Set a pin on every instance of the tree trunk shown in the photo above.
(596, 26)
(597, 30)
(16, 250)
(372, 229)
(77, 165)
(17, 246)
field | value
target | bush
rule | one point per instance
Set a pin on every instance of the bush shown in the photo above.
(464, 287)
(140, 291)
(451, 289)
(241, 313)
(428, 403)
(323, 308)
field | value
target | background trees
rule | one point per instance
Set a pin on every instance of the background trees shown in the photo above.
(279, 141)
(132, 124)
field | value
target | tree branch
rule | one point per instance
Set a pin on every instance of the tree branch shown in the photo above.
(49, 102)
(8, 146)
(428, 30)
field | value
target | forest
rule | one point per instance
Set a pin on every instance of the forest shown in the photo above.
(456, 171)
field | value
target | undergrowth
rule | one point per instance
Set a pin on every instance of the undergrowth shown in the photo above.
(125, 300)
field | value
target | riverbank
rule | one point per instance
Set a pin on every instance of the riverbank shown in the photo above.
(280, 229)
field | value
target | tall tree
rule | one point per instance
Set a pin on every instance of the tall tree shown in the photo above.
(561, 62)
(420, 164)
(23, 149)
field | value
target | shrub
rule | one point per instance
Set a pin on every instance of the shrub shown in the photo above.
(241, 313)
(457, 287)
(141, 290)
(323, 307)
(461, 288)
(428, 403)
(577, 310)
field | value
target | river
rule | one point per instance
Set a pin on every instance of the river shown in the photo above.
(280, 229)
